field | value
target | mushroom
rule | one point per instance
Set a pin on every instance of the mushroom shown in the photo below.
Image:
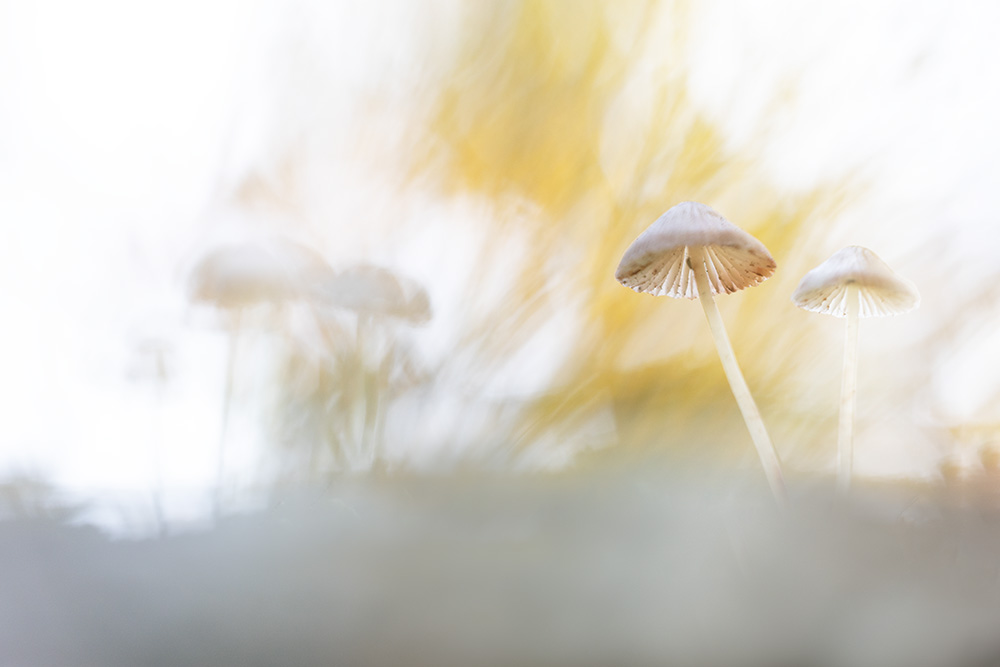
(240, 276)
(374, 294)
(371, 292)
(692, 252)
(853, 283)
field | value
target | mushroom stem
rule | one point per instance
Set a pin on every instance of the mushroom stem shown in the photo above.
(384, 374)
(848, 393)
(751, 415)
(364, 451)
(220, 465)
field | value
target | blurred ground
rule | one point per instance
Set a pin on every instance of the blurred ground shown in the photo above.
(636, 567)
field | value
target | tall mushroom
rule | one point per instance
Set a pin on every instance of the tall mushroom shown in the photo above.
(692, 252)
(236, 277)
(374, 294)
(853, 283)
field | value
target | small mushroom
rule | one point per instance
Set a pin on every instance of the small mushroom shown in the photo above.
(374, 292)
(853, 283)
(374, 295)
(239, 276)
(236, 277)
(692, 252)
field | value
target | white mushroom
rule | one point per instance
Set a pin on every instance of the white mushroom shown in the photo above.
(853, 283)
(235, 277)
(375, 295)
(371, 291)
(693, 252)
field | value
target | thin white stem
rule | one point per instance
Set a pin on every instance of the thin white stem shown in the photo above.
(364, 449)
(848, 394)
(227, 398)
(317, 450)
(751, 415)
(381, 385)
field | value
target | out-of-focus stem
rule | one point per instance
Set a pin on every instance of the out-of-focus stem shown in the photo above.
(226, 400)
(848, 394)
(751, 415)
(364, 452)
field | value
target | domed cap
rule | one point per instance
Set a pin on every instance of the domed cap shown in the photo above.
(656, 263)
(880, 291)
(372, 290)
(247, 274)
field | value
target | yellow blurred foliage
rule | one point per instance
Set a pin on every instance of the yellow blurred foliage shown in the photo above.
(540, 106)
(581, 110)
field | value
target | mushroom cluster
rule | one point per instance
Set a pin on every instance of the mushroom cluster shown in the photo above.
(357, 310)
(691, 252)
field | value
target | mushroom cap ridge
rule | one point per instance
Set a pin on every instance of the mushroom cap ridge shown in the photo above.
(880, 291)
(656, 262)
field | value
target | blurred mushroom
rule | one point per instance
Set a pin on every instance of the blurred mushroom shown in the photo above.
(375, 295)
(853, 283)
(233, 277)
(373, 292)
(236, 277)
(693, 252)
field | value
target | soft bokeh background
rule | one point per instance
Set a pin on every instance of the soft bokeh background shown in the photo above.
(496, 158)
(311, 350)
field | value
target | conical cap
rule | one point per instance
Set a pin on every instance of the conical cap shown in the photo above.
(658, 262)
(880, 291)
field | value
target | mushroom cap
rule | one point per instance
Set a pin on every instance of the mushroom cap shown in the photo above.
(372, 290)
(247, 274)
(880, 291)
(656, 263)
